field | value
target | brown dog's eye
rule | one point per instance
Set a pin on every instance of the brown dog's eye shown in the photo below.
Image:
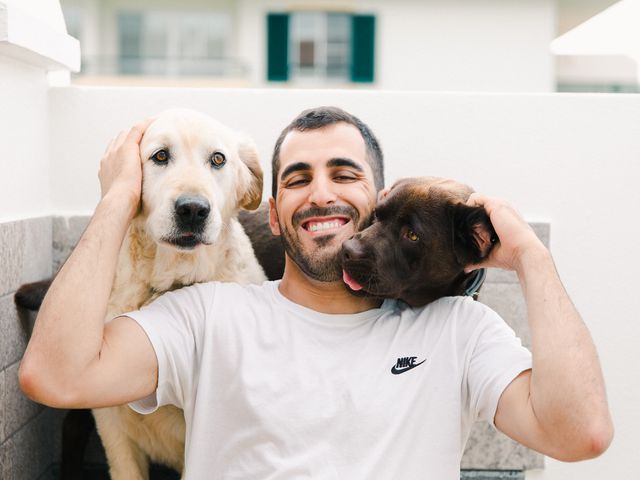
(411, 235)
(218, 159)
(160, 156)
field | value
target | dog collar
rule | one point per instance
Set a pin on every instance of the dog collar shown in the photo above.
(476, 283)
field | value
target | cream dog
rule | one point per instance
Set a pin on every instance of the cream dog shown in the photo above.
(197, 175)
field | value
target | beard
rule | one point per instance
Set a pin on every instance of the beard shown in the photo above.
(323, 262)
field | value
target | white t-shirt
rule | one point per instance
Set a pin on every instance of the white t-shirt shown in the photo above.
(273, 390)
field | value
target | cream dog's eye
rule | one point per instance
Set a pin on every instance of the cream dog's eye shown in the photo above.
(161, 156)
(218, 159)
(411, 235)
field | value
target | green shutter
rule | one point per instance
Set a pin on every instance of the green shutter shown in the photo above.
(363, 34)
(278, 47)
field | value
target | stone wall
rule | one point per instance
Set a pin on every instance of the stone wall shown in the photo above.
(29, 433)
(489, 454)
(487, 448)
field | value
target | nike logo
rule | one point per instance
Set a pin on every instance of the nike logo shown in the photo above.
(405, 364)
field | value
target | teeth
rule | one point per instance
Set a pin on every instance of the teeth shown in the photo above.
(316, 227)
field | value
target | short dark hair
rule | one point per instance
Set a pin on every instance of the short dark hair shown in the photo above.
(321, 117)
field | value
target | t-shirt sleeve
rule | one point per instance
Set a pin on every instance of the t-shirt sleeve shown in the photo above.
(175, 324)
(496, 359)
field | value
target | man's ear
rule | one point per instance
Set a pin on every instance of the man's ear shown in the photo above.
(473, 234)
(252, 194)
(273, 217)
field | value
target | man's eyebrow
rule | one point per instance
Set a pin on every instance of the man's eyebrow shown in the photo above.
(344, 162)
(294, 167)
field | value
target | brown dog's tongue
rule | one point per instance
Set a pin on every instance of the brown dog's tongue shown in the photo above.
(353, 285)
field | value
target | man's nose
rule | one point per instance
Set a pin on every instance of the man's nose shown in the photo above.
(322, 192)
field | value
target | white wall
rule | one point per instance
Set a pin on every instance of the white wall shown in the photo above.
(466, 45)
(571, 160)
(590, 69)
(24, 157)
(33, 40)
(46, 11)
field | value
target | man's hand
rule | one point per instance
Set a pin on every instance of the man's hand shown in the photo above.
(121, 166)
(517, 238)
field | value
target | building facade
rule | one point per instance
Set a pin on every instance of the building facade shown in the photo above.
(460, 45)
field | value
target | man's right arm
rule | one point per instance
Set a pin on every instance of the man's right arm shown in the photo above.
(72, 359)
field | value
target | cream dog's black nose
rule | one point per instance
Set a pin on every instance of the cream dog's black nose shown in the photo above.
(191, 212)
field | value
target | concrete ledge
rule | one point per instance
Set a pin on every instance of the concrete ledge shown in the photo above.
(15, 333)
(29, 453)
(66, 232)
(491, 475)
(31, 40)
(507, 300)
(25, 251)
(488, 452)
(487, 449)
(495, 275)
(18, 410)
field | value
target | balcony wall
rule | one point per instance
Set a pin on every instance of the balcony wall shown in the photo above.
(567, 160)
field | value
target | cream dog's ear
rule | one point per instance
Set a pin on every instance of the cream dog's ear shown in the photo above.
(252, 194)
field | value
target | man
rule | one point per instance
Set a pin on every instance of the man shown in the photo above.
(292, 379)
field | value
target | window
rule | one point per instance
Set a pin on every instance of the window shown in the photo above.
(320, 46)
(173, 43)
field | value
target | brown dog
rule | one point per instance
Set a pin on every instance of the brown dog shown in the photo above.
(421, 238)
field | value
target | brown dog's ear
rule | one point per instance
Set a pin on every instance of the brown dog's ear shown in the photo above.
(252, 195)
(473, 234)
(382, 194)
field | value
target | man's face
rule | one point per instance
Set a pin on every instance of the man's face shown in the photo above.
(325, 194)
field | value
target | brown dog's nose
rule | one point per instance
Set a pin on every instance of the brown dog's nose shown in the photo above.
(191, 212)
(352, 250)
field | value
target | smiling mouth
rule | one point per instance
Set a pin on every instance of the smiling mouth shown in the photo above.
(318, 226)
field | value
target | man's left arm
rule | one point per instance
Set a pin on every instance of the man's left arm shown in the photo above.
(559, 407)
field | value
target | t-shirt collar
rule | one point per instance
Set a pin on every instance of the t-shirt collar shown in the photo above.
(338, 319)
